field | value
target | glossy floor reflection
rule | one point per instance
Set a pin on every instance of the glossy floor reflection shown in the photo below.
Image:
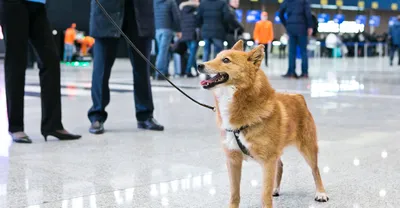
(355, 104)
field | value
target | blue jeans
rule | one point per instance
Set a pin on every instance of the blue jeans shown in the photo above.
(218, 46)
(68, 52)
(192, 46)
(164, 38)
(301, 42)
(393, 50)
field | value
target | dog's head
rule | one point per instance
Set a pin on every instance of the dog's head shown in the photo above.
(233, 67)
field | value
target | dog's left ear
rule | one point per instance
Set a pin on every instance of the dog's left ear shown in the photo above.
(256, 55)
(238, 46)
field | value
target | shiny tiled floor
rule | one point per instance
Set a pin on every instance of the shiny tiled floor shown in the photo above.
(356, 108)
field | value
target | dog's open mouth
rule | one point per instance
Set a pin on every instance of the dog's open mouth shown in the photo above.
(219, 78)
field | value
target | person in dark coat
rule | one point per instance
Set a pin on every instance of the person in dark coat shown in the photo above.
(213, 15)
(235, 28)
(167, 21)
(136, 18)
(26, 22)
(190, 32)
(394, 37)
(299, 25)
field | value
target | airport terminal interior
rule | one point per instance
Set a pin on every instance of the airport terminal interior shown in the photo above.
(355, 103)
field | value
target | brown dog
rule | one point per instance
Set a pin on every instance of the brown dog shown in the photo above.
(258, 122)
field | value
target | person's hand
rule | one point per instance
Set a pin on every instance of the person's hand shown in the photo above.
(179, 35)
(310, 31)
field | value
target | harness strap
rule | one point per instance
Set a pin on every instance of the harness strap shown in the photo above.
(236, 133)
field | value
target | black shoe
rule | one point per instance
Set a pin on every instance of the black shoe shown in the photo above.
(61, 135)
(391, 64)
(160, 78)
(150, 124)
(20, 137)
(97, 127)
(304, 76)
(191, 76)
(290, 76)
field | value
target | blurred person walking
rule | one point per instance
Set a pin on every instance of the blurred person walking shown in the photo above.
(235, 28)
(167, 21)
(264, 33)
(31, 24)
(213, 15)
(394, 39)
(69, 43)
(136, 18)
(190, 32)
(299, 26)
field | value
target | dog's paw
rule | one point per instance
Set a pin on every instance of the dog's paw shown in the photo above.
(276, 192)
(321, 197)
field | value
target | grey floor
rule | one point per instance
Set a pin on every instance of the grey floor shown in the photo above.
(355, 102)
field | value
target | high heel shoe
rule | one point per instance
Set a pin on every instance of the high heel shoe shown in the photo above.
(20, 137)
(61, 136)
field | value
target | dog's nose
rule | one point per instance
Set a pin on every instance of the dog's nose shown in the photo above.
(201, 68)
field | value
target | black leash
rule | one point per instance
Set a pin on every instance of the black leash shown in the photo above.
(144, 57)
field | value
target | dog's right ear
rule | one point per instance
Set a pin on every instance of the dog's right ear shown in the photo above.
(238, 46)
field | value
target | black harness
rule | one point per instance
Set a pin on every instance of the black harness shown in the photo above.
(236, 133)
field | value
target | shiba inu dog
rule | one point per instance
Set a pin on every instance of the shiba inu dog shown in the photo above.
(258, 122)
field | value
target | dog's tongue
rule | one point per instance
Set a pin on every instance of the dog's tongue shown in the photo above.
(205, 82)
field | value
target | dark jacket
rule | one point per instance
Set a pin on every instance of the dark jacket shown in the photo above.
(299, 17)
(234, 24)
(166, 14)
(394, 33)
(188, 21)
(100, 26)
(212, 17)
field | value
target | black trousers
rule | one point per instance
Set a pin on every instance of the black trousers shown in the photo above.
(22, 22)
(266, 53)
(105, 51)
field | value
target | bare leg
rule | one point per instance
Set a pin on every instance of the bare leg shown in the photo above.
(234, 164)
(278, 177)
(269, 171)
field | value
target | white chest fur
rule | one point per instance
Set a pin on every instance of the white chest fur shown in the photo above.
(225, 98)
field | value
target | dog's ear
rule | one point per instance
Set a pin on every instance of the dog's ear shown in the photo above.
(238, 46)
(256, 55)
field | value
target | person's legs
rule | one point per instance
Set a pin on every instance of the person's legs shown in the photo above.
(16, 33)
(218, 46)
(303, 42)
(292, 55)
(192, 45)
(164, 38)
(207, 50)
(266, 51)
(393, 49)
(141, 73)
(43, 42)
(105, 51)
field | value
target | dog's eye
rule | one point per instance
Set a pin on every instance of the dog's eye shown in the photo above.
(226, 60)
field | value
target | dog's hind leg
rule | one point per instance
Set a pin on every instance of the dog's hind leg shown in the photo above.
(310, 153)
(278, 178)
(234, 164)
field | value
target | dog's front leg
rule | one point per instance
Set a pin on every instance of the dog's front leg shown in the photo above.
(269, 170)
(234, 163)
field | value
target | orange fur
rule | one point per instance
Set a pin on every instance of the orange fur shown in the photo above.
(275, 121)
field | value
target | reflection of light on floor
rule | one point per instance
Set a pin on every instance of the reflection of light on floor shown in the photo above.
(93, 203)
(326, 169)
(254, 183)
(5, 138)
(129, 194)
(77, 202)
(118, 197)
(165, 201)
(212, 191)
(356, 162)
(323, 88)
(64, 204)
(384, 154)
(382, 193)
